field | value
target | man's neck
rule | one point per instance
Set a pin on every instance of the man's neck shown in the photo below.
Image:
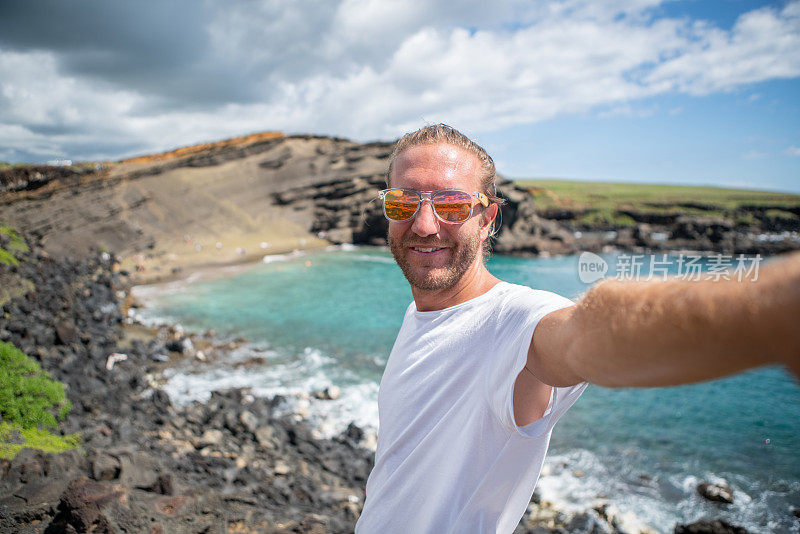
(475, 282)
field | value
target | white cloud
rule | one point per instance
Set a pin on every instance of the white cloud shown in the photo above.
(43, 111)
(792, 151)
(763, 44)
(374, 69)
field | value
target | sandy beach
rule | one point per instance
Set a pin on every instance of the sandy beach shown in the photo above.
(181, 258)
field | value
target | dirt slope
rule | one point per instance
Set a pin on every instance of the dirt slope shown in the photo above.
(175, 208)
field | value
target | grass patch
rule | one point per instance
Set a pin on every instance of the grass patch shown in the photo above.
(780, 214)
(745, 219)
(599, 195)
(606, 217)
(28, 396)
(6, 258)
(6, 165)
(600, 202)
(14, 247)
(13, 286)
(31, 404)
(33, 438)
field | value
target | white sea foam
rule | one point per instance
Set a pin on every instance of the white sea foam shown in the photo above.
(310, 371)
(149, 292)
(579, 479)
(273, 258)
(346, 247)
(152, 321)
(357, 404)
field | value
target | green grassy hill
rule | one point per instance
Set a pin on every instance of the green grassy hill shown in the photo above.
(619, 203)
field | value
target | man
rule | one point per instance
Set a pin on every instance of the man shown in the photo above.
(482, 370)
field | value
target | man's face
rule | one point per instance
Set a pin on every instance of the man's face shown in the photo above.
(432, 254)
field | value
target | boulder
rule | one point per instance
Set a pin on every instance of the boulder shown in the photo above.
(329, 393)
(79, 509)
(161, 401)
(354, 432)
(105, 467)
(721, 492)
(138, 470)
(249, 421)
(266, 437)
(182, 345)
(211, 437)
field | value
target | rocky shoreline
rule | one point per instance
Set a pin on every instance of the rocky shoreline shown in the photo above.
(232, 464)
(144, 464)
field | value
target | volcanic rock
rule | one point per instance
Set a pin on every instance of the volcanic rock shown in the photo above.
(710, 526)
(716, 492)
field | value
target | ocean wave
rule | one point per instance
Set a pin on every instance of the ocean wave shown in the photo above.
(580, 479)
(149, 292)
(295, 380)
(273, 258)
(346, 247)
(149, 320)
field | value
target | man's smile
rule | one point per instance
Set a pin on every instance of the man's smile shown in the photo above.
(428, 250)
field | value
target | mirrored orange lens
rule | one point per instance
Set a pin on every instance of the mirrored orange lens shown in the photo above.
(452, 206)
(400, 205)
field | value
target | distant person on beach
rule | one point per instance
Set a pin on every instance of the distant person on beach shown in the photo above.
(482, 369)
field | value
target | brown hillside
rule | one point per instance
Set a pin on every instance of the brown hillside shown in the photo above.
(235, 142)
(207, 204)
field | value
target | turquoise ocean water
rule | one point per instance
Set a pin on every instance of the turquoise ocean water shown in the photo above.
(330, 317)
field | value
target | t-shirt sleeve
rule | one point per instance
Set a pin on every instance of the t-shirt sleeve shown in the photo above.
(516, 323)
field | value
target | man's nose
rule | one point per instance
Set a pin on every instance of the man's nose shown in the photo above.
(425, 222)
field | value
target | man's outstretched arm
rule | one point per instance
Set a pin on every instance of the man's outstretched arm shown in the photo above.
(672, 332)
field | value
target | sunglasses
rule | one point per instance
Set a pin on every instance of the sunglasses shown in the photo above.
(449, 205)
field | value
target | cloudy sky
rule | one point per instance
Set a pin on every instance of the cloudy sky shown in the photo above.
(696, 91)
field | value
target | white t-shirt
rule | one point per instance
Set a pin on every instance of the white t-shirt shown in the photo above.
(450, 457)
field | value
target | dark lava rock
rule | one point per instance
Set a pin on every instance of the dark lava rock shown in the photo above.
(147, 465)
(710, 526)
(354, 432)
(587, 522)
(105, 467)
(183, 345)
(80, 507)
(65, 332)
(30, 177)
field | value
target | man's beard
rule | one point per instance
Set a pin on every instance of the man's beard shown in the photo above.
(437, 278)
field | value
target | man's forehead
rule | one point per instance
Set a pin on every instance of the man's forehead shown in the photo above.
(441, 159)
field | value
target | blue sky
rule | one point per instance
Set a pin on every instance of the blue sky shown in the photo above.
(741, 138)
(689, 92)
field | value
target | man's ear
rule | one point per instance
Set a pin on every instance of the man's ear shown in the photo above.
(489, 215)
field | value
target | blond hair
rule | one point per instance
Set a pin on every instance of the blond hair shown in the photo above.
(443, 134)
